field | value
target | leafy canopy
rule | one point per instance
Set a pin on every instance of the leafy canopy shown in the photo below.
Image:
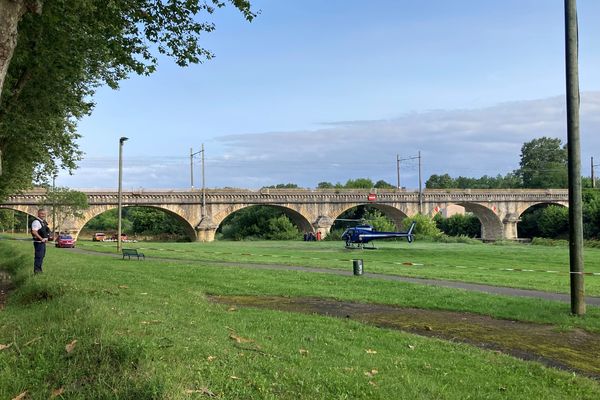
(70, 49)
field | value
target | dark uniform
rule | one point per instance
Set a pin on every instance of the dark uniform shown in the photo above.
(40, 247)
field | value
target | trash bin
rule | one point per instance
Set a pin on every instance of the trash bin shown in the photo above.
(357, 266)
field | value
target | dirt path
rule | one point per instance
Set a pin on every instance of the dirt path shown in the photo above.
(501, 290)
(574, 350)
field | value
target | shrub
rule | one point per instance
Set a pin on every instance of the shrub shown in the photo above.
(425, 226)
(13, 262)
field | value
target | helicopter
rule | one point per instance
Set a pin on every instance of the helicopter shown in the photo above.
(358, 236)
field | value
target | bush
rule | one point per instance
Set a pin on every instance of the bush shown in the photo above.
(459, 225)
(13, 262)
(425, 226)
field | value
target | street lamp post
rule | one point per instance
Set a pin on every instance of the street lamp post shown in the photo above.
(120, 195)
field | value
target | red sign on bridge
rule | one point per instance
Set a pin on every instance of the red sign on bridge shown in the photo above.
(372, 197)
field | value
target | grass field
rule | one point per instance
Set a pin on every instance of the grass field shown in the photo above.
(146, 330)
(514, 265)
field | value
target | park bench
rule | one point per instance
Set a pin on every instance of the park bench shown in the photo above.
(132, 252)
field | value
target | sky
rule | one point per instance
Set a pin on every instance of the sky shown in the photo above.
(314, 91)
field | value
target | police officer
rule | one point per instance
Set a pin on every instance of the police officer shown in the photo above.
(40, 233)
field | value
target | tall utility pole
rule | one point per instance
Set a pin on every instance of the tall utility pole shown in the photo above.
(593, 174)
(192, 154)
(192, 168)
(398, 169)
(398, 160)
(574, 160)
(420, 186)
(54, 207)
(203, 185)
(120, 195)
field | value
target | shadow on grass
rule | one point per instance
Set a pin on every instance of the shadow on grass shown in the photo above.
(574, 350)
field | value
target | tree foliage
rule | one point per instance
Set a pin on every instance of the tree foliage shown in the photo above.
(543, 164)
(459, 225)
(445, 181)
(258, 222)
(70, 49)
(63, 203)
(140, 221)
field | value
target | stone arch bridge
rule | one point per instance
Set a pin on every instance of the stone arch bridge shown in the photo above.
(311, 210)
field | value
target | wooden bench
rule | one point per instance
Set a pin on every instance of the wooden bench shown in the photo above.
(132, 252)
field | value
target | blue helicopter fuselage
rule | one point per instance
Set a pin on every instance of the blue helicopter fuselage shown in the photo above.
(362, 234)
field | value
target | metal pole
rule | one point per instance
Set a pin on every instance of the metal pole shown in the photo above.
(574, 161)
(120, 195)
(420, 186)
(192, 168)
(398, 169)
(53, 206)
(593, 178)
(203, 185)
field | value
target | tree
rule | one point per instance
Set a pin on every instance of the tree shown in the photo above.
(64, 203)
(325, 185)
(440, 182)
(66, 49)
(381, 184)
(359, 183)
(543, 164)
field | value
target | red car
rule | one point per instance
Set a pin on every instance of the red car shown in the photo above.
(65, 241)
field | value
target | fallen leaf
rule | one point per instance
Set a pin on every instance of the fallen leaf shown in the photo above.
(123, 287)
(205, 391)
(232, 309)
(240, 339)
(410, 346)
(371, 373)
(428, 328)
(5, 346)
(21, 396)
(57, 392)
(69, 347)
(211, 358)
(502, 389)
(234, 377)
(369, 351)
(304, 352)
(372, 383)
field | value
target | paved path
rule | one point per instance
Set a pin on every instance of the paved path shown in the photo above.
(475, 287)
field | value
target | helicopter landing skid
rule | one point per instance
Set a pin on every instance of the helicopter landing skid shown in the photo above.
(360, 246)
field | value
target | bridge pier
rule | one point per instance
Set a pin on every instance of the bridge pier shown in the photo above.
(323, 224)
(510, 226)
(206, 230)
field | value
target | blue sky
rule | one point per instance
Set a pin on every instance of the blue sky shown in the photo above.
(317, 90)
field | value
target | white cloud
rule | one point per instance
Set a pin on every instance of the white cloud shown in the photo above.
(460, 142)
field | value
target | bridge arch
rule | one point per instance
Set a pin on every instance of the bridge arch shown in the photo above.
(525, 207)
(94, 211)
(492, 226)
(297, 218)
(529, 223)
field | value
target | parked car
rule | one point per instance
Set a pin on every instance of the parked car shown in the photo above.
(99, 237)
(65, 241)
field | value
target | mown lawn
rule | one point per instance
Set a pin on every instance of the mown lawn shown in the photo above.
(514, 265)
(145, 330)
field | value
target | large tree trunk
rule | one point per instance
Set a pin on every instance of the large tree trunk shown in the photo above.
(11, 12)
